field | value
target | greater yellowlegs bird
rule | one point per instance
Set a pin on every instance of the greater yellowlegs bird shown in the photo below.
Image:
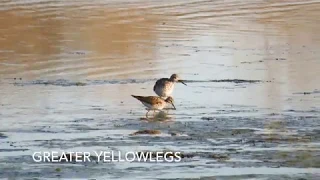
(154, 102)
(164, 86)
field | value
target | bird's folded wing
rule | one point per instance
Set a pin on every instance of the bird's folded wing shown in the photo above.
(152, 100)
(160, 83)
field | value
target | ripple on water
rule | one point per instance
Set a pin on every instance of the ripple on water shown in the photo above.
(65, 82)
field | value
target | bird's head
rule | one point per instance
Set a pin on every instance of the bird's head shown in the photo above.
(170, 100)
(176, 78)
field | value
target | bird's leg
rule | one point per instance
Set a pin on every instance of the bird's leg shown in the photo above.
(147, 114)
(154, 111)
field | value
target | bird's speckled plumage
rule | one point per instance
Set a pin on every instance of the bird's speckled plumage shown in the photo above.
(154, 102)
(164, 86)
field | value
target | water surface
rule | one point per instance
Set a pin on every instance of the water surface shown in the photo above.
(68, 68)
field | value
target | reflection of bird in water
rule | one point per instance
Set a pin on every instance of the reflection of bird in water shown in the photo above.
(164, 86)
(154, 103)
(161, 117)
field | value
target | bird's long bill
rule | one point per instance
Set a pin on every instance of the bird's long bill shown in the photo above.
(174, 106)
(181, 81)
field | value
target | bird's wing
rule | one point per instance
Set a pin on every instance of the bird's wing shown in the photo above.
(149, 99)
(152, 99)
(160, 82)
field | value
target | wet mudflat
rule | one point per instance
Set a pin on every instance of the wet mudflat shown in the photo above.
(251, 109)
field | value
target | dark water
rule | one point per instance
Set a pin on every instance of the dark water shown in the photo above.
(68, 68)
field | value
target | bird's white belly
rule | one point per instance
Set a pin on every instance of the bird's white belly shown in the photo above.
(154, 107)
(149, 106)
(165, 91)
(169, 91)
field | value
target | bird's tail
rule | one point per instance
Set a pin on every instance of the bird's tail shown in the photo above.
(137, 97)
(140, 98)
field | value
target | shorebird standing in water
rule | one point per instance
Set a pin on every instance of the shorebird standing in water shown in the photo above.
(164, 86)
(154, 103)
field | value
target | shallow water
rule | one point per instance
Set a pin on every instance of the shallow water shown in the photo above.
(68, 68)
